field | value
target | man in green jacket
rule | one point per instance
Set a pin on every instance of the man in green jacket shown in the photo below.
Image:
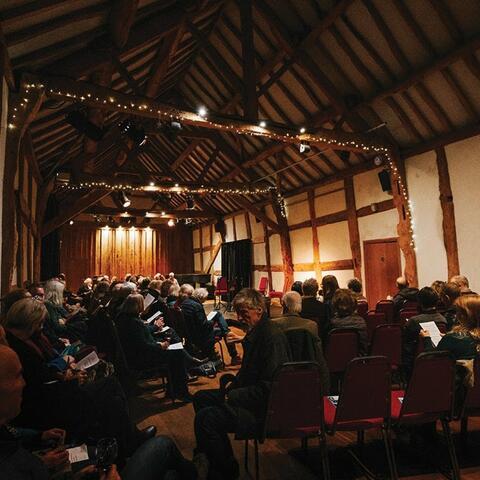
(240, 408)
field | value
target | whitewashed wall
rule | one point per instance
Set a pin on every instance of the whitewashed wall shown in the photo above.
(463, 160)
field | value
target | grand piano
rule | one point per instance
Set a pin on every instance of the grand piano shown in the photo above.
(193, 278)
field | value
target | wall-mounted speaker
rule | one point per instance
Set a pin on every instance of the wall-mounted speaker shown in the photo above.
(385, 182)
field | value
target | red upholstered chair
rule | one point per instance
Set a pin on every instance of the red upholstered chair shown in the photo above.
(387, 342)
(343, 344)
(411, 305)
(362, 308)
(471, 405)
(220, 289)
(386, 306)
(275, 294)
(298, 384)
(404, 315)
(363, 403)
(373, 320)
(263, 285)
(429, 397)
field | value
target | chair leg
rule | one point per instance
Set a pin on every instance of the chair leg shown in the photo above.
(324, 455)
(387, 438)
(245, 456)
(451, 450)
(221, 352)
(464, 430)
(257, 469)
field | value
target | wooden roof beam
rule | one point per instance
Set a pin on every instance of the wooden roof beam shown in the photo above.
(151, 213)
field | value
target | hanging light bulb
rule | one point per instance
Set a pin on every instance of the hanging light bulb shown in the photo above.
(171, 222)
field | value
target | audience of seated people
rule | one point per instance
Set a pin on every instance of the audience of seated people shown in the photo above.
(46, 331)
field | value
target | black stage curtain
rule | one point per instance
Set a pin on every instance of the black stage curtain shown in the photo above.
(237, 264)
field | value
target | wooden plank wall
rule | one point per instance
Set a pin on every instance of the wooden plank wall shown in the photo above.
(86, 250)
(24, 210)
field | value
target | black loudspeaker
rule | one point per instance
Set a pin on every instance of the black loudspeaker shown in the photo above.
(220, 227)
(384, 177)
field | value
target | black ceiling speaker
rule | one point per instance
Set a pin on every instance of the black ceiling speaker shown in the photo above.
(80, 122)
(220, 227)
(385, 182)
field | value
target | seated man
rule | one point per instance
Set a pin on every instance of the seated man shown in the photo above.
(312, 308)
(200, 331)
(220, 326)
(405, 294)
(243, 407)
(463, 283)
(344, 307)
(428, 301)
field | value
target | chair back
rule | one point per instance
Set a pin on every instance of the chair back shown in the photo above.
(404, 315)
(295, 407)
(176, 321)
(387, 342)
(411, 305)
(430, 392)
(222, 285)
(471, 406)
(365, 393)
(373, 320)
(387, 307)
(263, 285)
(362, 308)
(343, 344)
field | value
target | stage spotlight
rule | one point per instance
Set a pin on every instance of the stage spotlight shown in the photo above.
(80, 122)
(171, 222)
(263, 123)
(124, 200)
(134, 132)
(202, 111)
(304, 147)
(190, 202)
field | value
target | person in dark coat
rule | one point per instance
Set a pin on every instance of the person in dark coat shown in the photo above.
(240, 408)
(329, 287)
(200, 331)
(143, 351)
(405, 294)
(312, 308)
(344, 307)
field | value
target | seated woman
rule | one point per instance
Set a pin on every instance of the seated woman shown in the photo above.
(59, 397)
(144, 352)
(220, 326)
(344, 306)
(329, 287)
(64, 324)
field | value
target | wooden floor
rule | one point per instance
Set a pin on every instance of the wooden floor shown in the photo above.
(176, 421)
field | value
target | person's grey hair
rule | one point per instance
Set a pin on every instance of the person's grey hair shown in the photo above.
(54, 292)
(201, 294)
(133, 304)
(25, 315)
(87, 280)
(174, 290)
(186, 291)
(249, 298)
(292, 301)
(402, 282)
(460, 280)
(129, 286)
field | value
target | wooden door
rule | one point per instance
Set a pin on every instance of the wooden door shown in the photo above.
(382, 267)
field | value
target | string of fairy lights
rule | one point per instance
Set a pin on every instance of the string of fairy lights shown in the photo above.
(148, 107)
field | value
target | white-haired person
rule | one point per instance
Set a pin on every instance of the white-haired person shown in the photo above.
(171, 277)
(201, 336)
(64, 324)
(220, 326)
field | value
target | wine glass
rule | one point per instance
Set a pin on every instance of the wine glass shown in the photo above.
(106, 453)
